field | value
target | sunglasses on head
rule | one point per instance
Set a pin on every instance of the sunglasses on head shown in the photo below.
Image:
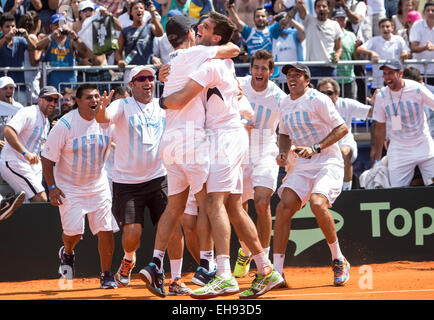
(51, 99)
(143, 78)
(328, 92)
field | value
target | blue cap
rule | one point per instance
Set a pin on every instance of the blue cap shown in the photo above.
(174, 12)
(57, 17)
(393, 64)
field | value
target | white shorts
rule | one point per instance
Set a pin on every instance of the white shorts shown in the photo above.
(349, 141)
(187, 163)
(325, 179)
(403, 159)
(191, 206)
(22, 176)
(98, 209)
(261, 172)
(228, 151)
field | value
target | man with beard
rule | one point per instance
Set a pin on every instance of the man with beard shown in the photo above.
(311, 126)
(25, 135)
(323, 38)
(215, 81)
(400, 107)
(73, 163)
(261, 36)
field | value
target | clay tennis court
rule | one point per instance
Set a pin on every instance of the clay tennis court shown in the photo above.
(403, 280)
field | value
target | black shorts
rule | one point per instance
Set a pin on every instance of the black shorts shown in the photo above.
(131, 200)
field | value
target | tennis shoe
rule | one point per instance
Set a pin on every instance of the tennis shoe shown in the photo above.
(262, 284)
(154, 280)
(123, 276)
(341, 270)
(202, 277)
(178, 288)
(66, 268)
(242, 266)
(216, 287)
(107, 281)
(10, 204)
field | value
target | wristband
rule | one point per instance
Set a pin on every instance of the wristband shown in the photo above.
(52, 187)
(24, 152)
(161, 102)
(375, 161)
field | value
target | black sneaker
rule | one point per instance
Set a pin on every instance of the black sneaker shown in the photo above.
(10, 204)
(154, 280)
(202, 277)
(107, 281)
(66, 268)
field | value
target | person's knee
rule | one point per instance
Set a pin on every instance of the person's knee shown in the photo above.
(188, 223)
(318, 203)
(39, 197)
(262, 203)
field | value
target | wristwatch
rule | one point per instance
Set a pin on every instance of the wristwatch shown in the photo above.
(161, 102)
(316, 148)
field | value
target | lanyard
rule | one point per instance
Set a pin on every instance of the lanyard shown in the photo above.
(395, 110)
(147, 120)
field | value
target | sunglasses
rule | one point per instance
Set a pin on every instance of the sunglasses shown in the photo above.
(51, 99)
(143, 78)
(328, 92)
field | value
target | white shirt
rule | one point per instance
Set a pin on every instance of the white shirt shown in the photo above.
(218, 78)
(137, 134)
(411, 101)
(391, 49)
(79, 148)
(182, 63)
(376, 7)
(266, 105)
(32, 128)
(320, 38)
(308, 120)
(421, 33)
(162, 48)
(351, 109)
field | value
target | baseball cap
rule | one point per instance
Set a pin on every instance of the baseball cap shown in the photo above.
(48, 91)
(86, 4)
(173, 13)
(298, 66)
(57, 17)
(339, 13)
(392, 64)
(414, 16)
(136, 70)
(178, 27)
(4, 81)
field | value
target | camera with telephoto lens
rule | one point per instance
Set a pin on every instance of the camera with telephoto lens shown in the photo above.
(19, 33)
(64, 32)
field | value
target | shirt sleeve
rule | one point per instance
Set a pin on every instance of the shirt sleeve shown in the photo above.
(202, 53)
(328, 112)
(357, 109)
(415, 35)
(56, 141)
(205, 75)
(275, 30)
(379, 113)
(246, 32)
(19, 121)
(427, 96)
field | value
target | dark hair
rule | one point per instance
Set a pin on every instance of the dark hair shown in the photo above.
(333, 82)
(29, 21)
(121, 90)
(412, 73)
(259, 9)
(223, 26)
(133, 4)
(386, 20)
(83, 87)
(316, 1)
(427, 4)
(263, 55)
(6, 17)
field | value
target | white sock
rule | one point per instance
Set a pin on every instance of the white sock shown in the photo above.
(158, 255)
(246, 250)
(336, 251)
(347, 185)
(129, 255)
(224, 267)
(262, 262)
(278, 260)
(175, 269)
(267, 252)
(208, 256)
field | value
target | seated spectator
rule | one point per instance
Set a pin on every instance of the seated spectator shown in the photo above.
(383, 47)
(61, 47)
(13, 45)
(349, 109)
(346, 73)
(422, 41)
(260, 37)
(136, 41)
(323, 39)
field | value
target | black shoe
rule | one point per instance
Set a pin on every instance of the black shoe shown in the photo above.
(10, 204)
(66, 268)
(107, 281)
(154, 279)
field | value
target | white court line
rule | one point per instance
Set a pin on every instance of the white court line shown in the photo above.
(349, 293)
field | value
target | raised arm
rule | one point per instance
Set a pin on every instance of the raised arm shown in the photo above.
(230, 8)
(179, 99)
(227, 51)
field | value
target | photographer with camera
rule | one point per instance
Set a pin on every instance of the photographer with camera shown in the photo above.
(13, 45)
(61, 48)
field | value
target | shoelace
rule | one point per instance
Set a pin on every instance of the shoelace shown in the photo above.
(126, 268)
(68, 259)
(243, 259)
(338, 269)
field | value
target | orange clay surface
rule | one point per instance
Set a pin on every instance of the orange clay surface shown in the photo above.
(401, 280)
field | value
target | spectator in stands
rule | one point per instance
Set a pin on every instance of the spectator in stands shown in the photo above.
(349, 109)
(345, 73)
(46, 9)
(376, 12)
(260, 37)
(7, 91)
(121, 92)
(422, 41)
(17, 8)
(13, 45)
(391, 7)
(385, 46)
(323, 39)
(32, 23)
(411, 144)
(67, 103)
(412, 17)
(113, 6)
(246, 10)
(126, 19)
(25, 133)
(61, 47)
(400, 18)
(136, 41)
